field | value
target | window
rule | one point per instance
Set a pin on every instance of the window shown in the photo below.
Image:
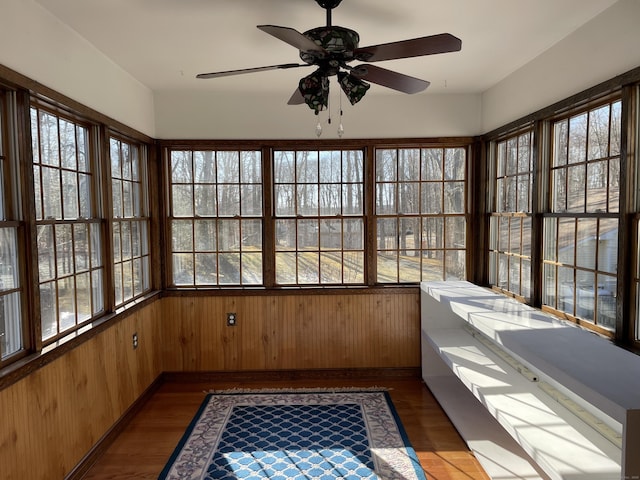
(420, 200)
(511, 219)
(216, 219)
(131, 257)
(69, 256)
(11, 291)
(581, 231)
(319, 217)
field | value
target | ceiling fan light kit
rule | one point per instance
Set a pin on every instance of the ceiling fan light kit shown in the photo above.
(331, 48)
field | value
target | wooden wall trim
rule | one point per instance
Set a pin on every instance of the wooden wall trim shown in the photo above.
(275, 375)
(286, 291)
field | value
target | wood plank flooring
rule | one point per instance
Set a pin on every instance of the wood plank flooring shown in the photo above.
(143, 448)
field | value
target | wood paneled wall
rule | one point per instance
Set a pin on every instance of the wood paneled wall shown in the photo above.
(50, 419)
(297, 331)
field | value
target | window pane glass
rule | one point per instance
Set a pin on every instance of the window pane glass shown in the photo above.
(387, 266)
(598, 145)
(409, 165)
(251, 268)
(606, 301)
(577, 138)
(181, 167)
(182, 200)
(229, 268)
(204, 166)
(284, 167)
(608, 245)
(560, 142)
(454, 197)
(48, 309)
(433, 265)
(432, 164)
(455, 265)
(566, 240)
(206, 267)
(205, 236)
(10, 324)
(587, 242)
(9, 271)
(286, 264)
(353, 263)
(455, 164)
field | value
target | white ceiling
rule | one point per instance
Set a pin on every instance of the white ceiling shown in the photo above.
(165, 43)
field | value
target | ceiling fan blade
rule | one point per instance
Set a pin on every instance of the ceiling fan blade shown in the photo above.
(228, 73)
(292, 37)
(415, 47)
(389, 78)
(296, 98)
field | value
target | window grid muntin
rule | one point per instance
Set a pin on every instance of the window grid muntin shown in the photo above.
(580, 263)
(228, 263)
(75, 288)
(440, 175)
(130, 221)
(511, 218)
(316, 246)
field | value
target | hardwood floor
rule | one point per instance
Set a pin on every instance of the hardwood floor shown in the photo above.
(143, 448)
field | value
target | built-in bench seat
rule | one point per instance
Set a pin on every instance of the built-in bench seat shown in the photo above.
(534, 397)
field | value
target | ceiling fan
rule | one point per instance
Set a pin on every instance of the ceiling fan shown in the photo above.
(331, 48)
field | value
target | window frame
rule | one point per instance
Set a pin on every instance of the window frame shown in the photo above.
(141, 217)
(217, 219)
(576, 266)
(298, 216)
(422, 182)
(499, 214)
(93, 223)
(13, 219)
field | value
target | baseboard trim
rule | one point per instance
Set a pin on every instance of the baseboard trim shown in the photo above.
(274, 375)
(108, 438)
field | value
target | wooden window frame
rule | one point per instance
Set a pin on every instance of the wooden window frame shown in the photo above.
(11, 218)
(139, 217)
(423, 216)
(295, 253)
(215, 218)
(93, 224)
(513, 251)
(552, 263)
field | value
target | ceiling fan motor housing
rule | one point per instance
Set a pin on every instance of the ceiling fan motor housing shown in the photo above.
(339, 44)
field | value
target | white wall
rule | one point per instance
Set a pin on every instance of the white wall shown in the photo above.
(601, 49)
(211, 115)
(36, 44)
(56, 56)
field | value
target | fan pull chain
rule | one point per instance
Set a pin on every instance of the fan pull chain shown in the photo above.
(340, 127)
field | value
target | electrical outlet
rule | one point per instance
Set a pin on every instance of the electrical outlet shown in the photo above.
(232, 320)
(134, 340)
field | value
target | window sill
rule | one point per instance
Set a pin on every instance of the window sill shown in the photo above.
(31, 362)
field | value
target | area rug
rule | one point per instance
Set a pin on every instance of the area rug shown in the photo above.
(295, 435)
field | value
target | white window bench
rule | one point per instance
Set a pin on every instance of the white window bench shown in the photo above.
(534, 397)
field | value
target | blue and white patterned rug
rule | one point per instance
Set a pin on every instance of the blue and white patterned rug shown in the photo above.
(307, 435)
